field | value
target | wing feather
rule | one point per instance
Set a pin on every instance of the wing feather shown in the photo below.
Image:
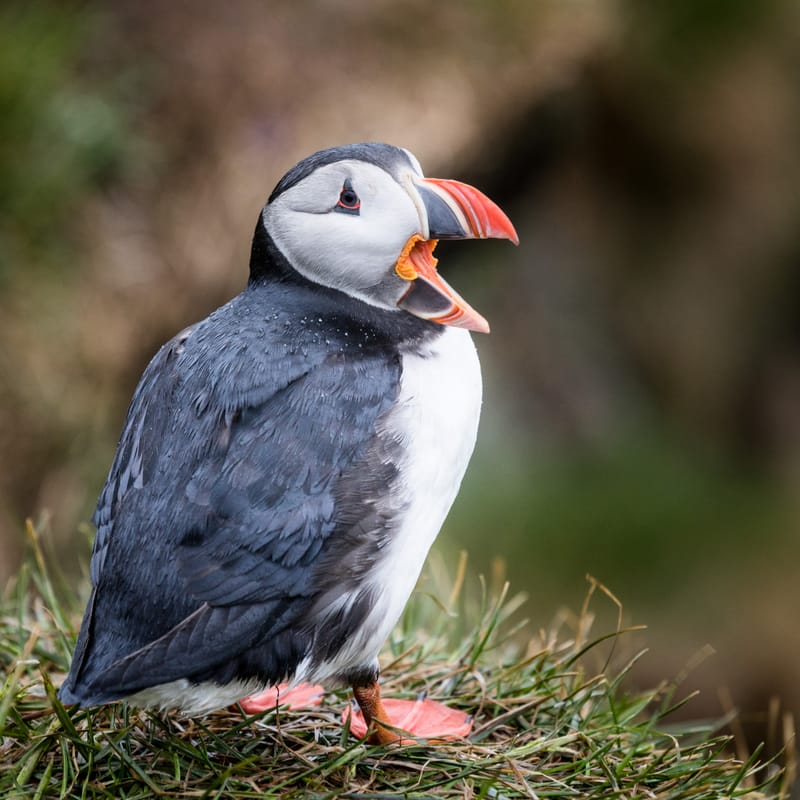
(221, 497)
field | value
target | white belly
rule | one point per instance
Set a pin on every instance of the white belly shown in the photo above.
(436, 421)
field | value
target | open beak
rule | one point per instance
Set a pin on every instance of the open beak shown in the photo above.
(452, 210)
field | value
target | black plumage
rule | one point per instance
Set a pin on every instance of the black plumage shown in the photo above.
(244, 489)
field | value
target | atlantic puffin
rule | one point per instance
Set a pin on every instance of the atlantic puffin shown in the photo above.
(287, 462)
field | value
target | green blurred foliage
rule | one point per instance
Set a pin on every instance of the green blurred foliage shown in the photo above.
(65, 143)
(649, 512)
(687, 33)
(62, 135)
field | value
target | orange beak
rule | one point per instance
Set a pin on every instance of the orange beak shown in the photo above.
(453, 210)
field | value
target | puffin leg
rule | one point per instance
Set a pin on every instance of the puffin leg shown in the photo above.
(420, 718)
(369, 701)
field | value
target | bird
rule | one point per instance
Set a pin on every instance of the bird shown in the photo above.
(287, 462)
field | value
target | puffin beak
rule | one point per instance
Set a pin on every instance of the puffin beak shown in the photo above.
(459, 211)
(452, 210)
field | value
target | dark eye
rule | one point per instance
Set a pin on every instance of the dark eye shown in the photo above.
(348, 200)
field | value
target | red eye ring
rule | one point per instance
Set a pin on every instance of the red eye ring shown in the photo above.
(349, 202)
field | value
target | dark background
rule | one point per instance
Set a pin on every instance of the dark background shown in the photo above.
(642, 411)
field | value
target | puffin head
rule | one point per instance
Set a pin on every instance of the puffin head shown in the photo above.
(364, 220)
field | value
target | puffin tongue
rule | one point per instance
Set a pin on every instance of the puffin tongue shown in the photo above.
(430, 296)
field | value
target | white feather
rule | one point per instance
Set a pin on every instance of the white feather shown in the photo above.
(193, 699)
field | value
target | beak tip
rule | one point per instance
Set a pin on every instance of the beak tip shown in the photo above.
(472, 321)
(505, 230)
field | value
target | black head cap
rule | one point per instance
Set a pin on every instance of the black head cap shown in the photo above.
(385, 156)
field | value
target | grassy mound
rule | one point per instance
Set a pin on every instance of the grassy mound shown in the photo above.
(546, 724)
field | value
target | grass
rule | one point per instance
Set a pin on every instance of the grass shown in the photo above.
(552, 719)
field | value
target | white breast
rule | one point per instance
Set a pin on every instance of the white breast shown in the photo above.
(437, 416)
(436, 421)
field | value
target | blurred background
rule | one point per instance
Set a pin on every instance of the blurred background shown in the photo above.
(642, 409)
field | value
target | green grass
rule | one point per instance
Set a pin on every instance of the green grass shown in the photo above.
(552, 719)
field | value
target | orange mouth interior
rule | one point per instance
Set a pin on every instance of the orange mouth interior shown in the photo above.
(417, 258)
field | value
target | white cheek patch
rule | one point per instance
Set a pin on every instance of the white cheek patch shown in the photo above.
(351, 252)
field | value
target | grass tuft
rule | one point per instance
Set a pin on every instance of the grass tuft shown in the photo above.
(552, 719)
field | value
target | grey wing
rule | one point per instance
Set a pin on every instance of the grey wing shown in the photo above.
(140, 444)
(212, 523)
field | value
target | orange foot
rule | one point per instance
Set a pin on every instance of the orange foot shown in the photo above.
(422, 719)
(304, 695)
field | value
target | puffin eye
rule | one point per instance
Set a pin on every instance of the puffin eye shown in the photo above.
(348, 200)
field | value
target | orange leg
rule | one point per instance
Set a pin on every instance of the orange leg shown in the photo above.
(419, 719)
(369, 701)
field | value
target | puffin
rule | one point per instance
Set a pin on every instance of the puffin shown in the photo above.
(287, 462)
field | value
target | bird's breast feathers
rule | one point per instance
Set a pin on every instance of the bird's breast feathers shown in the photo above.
(437, 415)
(435, 421)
